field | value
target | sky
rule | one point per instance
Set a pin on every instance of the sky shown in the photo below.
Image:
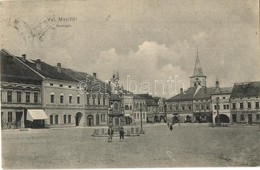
(151, 43)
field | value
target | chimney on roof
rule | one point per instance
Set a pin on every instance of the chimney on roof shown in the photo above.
(59, 67)
(95, 75)
(181, 90)
(38, 64)
(24, 57)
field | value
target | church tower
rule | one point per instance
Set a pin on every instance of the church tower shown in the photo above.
(198, 79)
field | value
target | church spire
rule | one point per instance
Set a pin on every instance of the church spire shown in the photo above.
(197, 68)
(198, 78)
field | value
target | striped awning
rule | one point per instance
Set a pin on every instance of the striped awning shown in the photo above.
(36, 114)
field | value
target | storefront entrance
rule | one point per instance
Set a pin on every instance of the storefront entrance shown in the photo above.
(250, 119)
(78, 118)
(18, 119)
(90, 121)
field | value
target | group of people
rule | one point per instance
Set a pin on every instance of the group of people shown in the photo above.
(111, 132)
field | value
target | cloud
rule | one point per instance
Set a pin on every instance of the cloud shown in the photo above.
(151, 63)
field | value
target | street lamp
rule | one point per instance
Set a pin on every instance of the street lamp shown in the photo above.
(218, 119)
(141, 109)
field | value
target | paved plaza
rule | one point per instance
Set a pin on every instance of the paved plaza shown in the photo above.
(188, 145)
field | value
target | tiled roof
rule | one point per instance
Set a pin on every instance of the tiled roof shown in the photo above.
(204, 93)
(85, 77)
(187, 95)
(14, 71)
(47, 70)
(149, 99)
(223, 90)
(138, 97)
(246, 89)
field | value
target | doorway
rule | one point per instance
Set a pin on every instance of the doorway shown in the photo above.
(78, 118)
(18, 119)
(234, 118)
(90, 121)
(250, 119)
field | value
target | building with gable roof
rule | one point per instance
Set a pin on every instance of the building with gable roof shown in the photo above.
(194, 104)
(244, 102)
(96, 97)
(21, 91)
(62, 99)
(221, 103)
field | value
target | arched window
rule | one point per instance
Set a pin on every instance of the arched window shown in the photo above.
(52, 97)
(61, 98)
(115, 106)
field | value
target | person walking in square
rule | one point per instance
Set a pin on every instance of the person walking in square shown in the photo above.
(110, 134)
(121, 133)
(171, 127)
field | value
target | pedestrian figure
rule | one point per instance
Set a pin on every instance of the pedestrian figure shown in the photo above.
(121, 133)
(179, 120)
(168, 124)
(110, 134)
(171, 127)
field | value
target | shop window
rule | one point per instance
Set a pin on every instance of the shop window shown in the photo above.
(64, 119)
(242, 117)
(103, 117)
(51, 119)
(10, 117)
(69, 118)
(56, 119)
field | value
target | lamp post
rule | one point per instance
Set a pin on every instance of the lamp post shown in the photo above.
(141, 109)
(218, 120)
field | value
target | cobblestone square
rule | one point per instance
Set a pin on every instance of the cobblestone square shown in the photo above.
(188, 145)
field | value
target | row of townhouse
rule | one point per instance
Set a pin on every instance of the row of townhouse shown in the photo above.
(144, 107)
(199, 103)
(36, 94)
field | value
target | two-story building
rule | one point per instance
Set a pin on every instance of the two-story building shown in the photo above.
(244, 102)
(180, 107)
(61, 98)
(96, 95)
(221, 103)
(21, 94)
(152, 110)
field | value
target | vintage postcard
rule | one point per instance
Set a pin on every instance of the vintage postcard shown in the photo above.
(129, 84)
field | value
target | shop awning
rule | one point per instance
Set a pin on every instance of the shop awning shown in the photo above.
(127, 114)
(36, 114)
